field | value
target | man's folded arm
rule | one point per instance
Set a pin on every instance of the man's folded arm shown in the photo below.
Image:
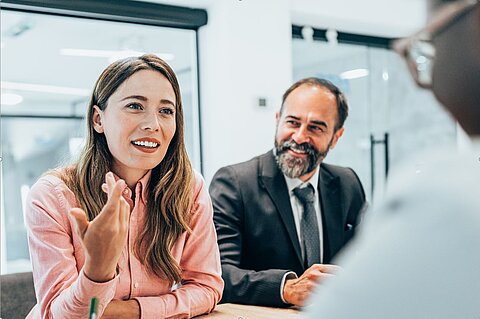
(261, 288)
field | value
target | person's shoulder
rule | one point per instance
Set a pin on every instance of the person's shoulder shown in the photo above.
(346, 177)
(50, 181)
(448, 174)
(52, 195)
(201, 199)
(198, 181)
(337, 171)
(252, 162)
(251, 165)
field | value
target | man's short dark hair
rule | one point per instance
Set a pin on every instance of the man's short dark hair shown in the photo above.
(342, 105)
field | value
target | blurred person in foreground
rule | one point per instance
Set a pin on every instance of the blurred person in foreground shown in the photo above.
(418, 256)
(130, 223)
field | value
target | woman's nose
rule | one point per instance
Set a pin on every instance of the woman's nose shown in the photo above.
(151, 122)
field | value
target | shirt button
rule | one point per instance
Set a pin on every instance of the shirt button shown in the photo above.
(135, 285)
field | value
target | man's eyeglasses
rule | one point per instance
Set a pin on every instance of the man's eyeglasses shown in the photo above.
(419, 51)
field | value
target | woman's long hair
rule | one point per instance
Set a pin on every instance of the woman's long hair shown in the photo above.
(169, 198)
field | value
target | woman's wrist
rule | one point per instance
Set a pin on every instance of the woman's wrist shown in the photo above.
(98, 275)
(118, 309)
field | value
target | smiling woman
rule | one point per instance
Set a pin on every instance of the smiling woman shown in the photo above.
(130, 223)
(139, 123)
(54, 88)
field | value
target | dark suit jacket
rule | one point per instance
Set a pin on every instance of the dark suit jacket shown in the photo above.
(256, 230)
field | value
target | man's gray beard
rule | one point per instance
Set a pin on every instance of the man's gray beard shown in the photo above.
(295, 167)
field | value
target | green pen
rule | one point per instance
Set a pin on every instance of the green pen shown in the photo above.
(92, 314)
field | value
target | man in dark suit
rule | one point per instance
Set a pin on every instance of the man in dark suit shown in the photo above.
(282, 216)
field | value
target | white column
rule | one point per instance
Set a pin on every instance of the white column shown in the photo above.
(244, 54)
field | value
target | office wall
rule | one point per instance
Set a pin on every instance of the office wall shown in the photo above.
(387, 18)
(245, 54)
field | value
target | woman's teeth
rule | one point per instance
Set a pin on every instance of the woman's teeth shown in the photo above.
(145, 144)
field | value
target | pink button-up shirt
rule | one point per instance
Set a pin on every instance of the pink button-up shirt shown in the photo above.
(63, 290)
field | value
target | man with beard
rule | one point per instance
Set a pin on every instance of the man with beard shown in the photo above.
(423, 260)
(282, 216)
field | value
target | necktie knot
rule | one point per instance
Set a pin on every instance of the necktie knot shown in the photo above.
(305, 194)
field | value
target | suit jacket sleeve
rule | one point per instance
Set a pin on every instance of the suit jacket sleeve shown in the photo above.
(358, 203)
(245, 286)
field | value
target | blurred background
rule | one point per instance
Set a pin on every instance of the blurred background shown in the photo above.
(234, 60)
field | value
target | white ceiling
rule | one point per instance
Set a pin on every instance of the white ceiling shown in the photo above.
(387, 18)
(32, 44)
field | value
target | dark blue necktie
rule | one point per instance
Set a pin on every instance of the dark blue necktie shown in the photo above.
(309, 225)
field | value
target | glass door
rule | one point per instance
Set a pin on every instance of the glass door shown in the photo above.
(389, 118)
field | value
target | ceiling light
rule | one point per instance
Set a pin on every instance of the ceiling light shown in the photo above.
(307, 33)
(11, 99)
(332, 36)
(112, 55)
(44, 88)
(354, 74)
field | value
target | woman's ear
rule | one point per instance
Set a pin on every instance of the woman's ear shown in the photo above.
(97, 119)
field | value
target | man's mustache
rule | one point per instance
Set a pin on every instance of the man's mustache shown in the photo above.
(291, 144)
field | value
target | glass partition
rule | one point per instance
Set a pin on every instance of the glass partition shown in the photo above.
(390, 118)
(48, 68)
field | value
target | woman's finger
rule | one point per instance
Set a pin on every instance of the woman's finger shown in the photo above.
(115, 195)
(125, 211)
(81, 222)
(110, 181)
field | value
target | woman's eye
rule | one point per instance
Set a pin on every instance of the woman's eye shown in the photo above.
(166, 111)
(134, 106)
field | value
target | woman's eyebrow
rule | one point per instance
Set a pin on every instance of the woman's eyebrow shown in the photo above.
(135, 97)
(143, 98)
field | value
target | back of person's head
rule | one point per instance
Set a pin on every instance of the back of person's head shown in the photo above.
(445, 57)
(342, 105)
(456, 71)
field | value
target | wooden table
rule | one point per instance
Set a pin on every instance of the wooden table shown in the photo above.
(235, 311)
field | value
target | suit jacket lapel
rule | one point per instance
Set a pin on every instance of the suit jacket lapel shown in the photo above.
(332, 207)
(275, 184)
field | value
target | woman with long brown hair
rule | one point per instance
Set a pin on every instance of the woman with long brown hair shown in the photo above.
(130, 223)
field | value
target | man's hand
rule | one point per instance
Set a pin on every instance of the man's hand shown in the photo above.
(297, 291)
(120, 309)
(104, 237)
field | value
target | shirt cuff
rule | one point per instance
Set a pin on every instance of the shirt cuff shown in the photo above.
(288, 275)
(103, 291)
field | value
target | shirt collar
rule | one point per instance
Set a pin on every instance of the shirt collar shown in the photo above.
(141, 186)
(296, 182)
